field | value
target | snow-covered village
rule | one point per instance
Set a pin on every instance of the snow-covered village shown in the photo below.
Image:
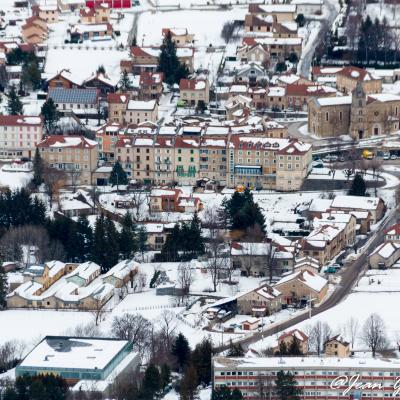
(199, 199)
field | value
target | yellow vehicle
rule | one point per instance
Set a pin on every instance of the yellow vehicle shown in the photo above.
(368, 155)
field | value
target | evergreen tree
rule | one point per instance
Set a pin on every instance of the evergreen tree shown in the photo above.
(112, 255)
(286, 386)
(101, 69)
(151, 382)
(38, 167)
(189, 384)
(197, 241)
(14, 105)
(127, 239)
(118, 175)
(31, 75)
(84, 239)
(134, 42)
(225, 393)
(165, 375)
(294, 348)
(241, 212)
(170, 249)
(181, 351)
(124, 83)
(3, 287)
(100, 245)
(142, 240)
(235, 350)
(282, 348)
(168, 62)
(201, 360)
(358, 187)
(50, 115)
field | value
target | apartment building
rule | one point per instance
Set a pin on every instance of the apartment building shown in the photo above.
(150, 85)
(316, 376)
(19, 135)
(213, 158)
(141, 111)
(71, 154)
(187, 159)
(267, 163)
(117, 104)
(164, 160)
(107, 137)
(78, 101)
(136, 155)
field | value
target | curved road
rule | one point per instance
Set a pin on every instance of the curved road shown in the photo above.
(349, 275)
(304, 66)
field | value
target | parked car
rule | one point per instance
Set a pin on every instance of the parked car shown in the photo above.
(341, 159)
(336, 266)
(334, 158)
(393, 157)
(386, 156)
(331, 270)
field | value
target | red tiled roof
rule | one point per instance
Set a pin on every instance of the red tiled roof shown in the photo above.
(139, 52)
(354, 73)
(20, 120)
(395, 228)
(151, 78)
(62, 141)
(118, 98)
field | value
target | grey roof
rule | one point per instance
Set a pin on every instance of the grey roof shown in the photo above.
(73, 96)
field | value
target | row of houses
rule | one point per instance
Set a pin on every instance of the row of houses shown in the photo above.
(58, 285)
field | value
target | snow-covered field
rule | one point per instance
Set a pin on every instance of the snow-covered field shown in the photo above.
(14, 180)
(205, 25)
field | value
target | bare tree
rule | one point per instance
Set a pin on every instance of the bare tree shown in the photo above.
(264, 387)
(167, 328)
(185, 279)
(216, 263)
(374, 333)
(133, 327)
(10, 353)
(85, 330)
(98, 310)
(73, 176)
(320, 333)
(54, 180)
(352, 328)
(227, 31)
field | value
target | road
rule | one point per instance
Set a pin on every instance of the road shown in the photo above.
(308, 55)
(349, 275)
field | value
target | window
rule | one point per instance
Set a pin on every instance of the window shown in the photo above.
(327, 116)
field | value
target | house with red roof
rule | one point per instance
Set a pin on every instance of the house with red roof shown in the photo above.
(393, 233)
(348, 77)
(180, 36)
(150, 85)
(193, 91)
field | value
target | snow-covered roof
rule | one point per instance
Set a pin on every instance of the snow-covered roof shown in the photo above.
(122, 269)
(73, 353)
(356, 202)
(386, 250)
(247, 248)
(141, 105)
(334, 101)
(300, 363)
(310, 279)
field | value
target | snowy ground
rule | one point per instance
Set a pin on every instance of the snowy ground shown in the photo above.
(15, 180)
(368, 297)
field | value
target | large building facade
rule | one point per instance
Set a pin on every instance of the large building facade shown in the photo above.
(319, 378)
(359, 115)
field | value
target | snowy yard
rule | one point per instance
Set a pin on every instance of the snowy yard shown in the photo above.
(14, 180)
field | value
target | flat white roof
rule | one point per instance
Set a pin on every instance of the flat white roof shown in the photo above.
(78, 353)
